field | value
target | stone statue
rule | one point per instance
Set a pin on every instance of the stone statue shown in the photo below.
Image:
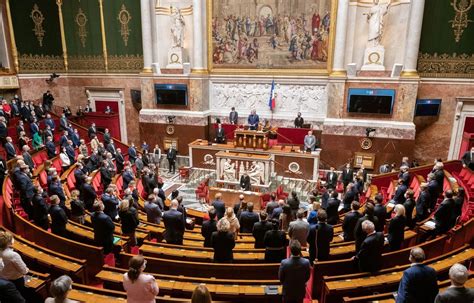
(229, 170)
(256, 172)
(177, 27)
(375, 18)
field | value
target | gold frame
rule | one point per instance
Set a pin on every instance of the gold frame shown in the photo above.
(276, 71)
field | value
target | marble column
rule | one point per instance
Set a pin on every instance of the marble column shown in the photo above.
(340, 43)
(154, 38)
(197, 35)
(413, 38)
(146, 35)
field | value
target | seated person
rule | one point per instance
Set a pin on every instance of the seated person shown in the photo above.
(220, 134)
(108, 110)
(253, 120)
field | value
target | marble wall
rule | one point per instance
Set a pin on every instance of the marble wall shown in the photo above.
(433, 135)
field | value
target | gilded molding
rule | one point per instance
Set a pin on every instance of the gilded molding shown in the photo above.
(124, 18)
(461, 20)
(125, 63)
(38, 18)
(29, 63)
(59, 3)
(104, 37)
(446, 65)
(81, 21)
(12, 38)
(86, 63)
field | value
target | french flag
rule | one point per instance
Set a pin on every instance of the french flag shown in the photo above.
(272, 101)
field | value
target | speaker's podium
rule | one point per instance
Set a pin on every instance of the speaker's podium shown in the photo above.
(251, 139)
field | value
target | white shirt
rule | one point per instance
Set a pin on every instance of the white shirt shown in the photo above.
(13, 266)
(64, 159)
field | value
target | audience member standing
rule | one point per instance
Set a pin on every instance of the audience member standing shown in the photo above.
(234, 225)
(103, 228)
(423, 203)
(201, 295)
(208, 227)
(171, 156)
(347, 175)
(271, 205)
(219, 206)
(380, 211)
(294, 203)
(299, 229)
(275, 242)
(129, 220)
(260, 229)
(174, 224)
(349, 196)
(409, 206)
(419, 281)
(359, 234)
(369, 257)
(88, 194)
(247, 219)
(40, 208)
(457, 292)
(396, 228)
(140, 287)
(399, 196)
(294, 272)
(350, 221)
(59, 290)
(319, 238)
(223, 242)
(444, 214)
(58, 217)
(332, 210)
(154, 212)
(9, 293)
(78, 208)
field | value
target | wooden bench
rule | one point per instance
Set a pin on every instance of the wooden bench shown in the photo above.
(335, 288)
(432, 248)
(93, 254)
(207, 270)
(39, 282)
(179, 286)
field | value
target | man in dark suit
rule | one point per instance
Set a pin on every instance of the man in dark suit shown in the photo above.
(103, 228)
(399, 196)
(233, 116)
(299, 121)
(468, 159)
(50, 148)
(9, 292)
(127, 177)
(75, 138)
(319, 238)
(423, 203)
(347, 175)
(331, 178)
(220, 134)
(50, 122)
(350, 221)
(88, 194)
(349, 196)
(457, 292)
(79, 175)
(245, 182)
(171, 156)
(418, 282)
(55, 188)
(132, 153)
(34, 128)
(409, 206)
(64, 138)
(380, 211)
(174, 225)
(40, 208)
(110, 203)
(47, 100)
(107, 137)
(63, 122)
(332, 209)
(119, 160)
(208, 227)
(3, 169)
(359, 233)
(294, 272)
(58, 217)
(105, 174)
(369, 257)
(92, 131)
(247, 219)
(3, 130)
(27, 157)
(26, 187)
(259, 230)
(443, 217)
(253, 120)
(71, 153)
(404, 174)
(10, 149)
(438, 172)
(219, 206)
(271, 205)
(279, 210)
(223, 243)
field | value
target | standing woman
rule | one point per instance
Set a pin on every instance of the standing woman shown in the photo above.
(201, 295)
(234, 225)
(285, 218)
(396, 228)
(275, 242)
(140, 287)
(77, 208)
(129, 220)
(14, 269)
(157, 155)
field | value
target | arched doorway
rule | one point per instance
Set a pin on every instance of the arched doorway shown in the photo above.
(265, 10)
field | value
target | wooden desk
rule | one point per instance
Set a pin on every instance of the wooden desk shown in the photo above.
(231, 196)
(251, 139)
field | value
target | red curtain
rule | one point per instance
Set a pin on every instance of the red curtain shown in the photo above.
(101, 105)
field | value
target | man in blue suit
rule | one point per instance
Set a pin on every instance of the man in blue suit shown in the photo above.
(75, 138)
(174, 224)
(294, 272)
(103, 228)
(132, 153)
(50, 147)
(127, 176)
(10, 149)
(50, 122)
(34, 128)
(70, 152)
(63, 122)
(253, 120)
(64, 138)
(418, 283)
(219, 206)
(110, 203)
(56, 188)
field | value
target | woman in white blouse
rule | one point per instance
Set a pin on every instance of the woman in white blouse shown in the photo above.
(14, 269)
(65, 161)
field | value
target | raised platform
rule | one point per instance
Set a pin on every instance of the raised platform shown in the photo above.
(286, 161)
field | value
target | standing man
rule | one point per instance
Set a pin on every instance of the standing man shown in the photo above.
(419, 281)
(174, 224)
(319, 238)
(233, 116)
(171, 156)
(92, 131)
(294, 272)
(220, 134)
(331, 178)
(299, 121)
(48, 100)
(347, 175)
(310, 142)
(458, 274)
(103, 228)
(253, 120)
(369, 256)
